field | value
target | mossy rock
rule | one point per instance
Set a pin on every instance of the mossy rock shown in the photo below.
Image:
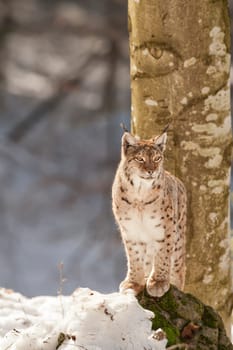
(186, 320)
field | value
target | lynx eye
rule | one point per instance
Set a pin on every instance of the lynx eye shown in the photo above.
(139, 159)
(157, 159)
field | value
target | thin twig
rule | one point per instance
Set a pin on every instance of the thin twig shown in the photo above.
(61, 280)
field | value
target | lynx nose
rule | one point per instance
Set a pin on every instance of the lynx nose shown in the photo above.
(150, 172)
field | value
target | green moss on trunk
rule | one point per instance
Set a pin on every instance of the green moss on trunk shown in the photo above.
(186, 320)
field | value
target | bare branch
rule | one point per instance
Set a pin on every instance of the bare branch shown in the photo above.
(20, 129)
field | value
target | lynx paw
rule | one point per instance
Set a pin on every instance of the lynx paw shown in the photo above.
(126, 284)
(157, 288)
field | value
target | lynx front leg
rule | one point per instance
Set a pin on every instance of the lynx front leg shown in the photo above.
(135, 280)
(178, 266)
(158, 281)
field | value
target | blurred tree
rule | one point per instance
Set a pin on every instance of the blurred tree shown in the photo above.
(180, 75)
(65, 89)
(5, 22)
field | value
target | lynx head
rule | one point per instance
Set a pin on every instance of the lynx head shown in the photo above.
(143, 158)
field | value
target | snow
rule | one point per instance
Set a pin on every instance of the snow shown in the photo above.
(218, 50)
(184, 101)
(211, 117)
(217, 47)
(145, 52)
(205, 90)
(225, 258)
(84, 320)
(190, 62)
(212, 129)
(219, 102)
(208, 278)
(151, 102)
(213, 153)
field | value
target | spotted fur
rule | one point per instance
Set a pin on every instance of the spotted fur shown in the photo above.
(149, 205)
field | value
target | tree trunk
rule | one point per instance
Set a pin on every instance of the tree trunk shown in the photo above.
(180, 63)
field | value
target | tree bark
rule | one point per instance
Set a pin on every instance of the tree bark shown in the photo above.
(180, 62)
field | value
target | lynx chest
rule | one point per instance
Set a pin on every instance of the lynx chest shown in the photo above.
(142, 222)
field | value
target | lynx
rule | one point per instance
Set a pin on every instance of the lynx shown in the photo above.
(149, 205)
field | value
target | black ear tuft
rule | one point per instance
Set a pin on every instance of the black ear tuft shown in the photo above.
(123, 127)
(160, 141)
(128, 140)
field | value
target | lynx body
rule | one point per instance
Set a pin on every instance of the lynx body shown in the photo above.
(149, 205)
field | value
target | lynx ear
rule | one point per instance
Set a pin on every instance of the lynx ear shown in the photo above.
(128, 140)
(160, 141)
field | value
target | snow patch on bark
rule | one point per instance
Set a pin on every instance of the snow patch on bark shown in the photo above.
(225, 259)
(213, 217)
(211, 152)
(218, 50)
(184, 101)
(218, 183)
(213, 129)
(145, 52)
(217, 190)
(151, 102)
(134, 68)
(211, 117)
(205, 90)
(214, 162)
(217, 47)
(208, 278)
(190, 62)
(218, 102)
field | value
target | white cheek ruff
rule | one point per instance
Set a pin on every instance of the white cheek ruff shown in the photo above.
(140, 183)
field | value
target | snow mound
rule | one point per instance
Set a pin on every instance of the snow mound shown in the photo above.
(86, 320)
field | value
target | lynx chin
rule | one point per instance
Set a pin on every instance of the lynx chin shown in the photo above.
(149, 205)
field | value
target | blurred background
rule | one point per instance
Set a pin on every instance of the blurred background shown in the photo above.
(64, 89)
(64, 78)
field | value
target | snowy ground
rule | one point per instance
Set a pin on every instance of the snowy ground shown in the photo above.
(85, 320)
